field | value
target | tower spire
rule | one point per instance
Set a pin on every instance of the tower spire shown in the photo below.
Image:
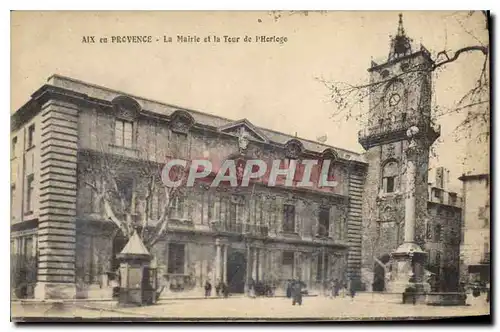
(401, 29)
(400, 44)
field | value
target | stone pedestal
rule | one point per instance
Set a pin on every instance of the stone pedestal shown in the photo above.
(54, 290)
(408, 269)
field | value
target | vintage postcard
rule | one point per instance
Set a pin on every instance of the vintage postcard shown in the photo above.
(258, 166)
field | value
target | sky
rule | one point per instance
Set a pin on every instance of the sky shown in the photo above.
(273, 85)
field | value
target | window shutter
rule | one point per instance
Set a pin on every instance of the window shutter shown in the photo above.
(314, 267)
(295, 264)
(333, 226)
(297, 218)
(315, 214)
(279, 214)
(222, 207)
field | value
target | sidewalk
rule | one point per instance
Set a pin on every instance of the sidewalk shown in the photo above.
(169, 296)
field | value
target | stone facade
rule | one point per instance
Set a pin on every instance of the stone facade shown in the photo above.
(213, 232)
(476, 244)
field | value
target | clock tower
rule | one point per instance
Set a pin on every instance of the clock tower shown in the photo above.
(400, 99)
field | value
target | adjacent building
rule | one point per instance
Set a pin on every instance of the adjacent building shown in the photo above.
(475, 250)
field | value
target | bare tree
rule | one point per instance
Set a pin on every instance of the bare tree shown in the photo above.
(347, 97)
(131, 193)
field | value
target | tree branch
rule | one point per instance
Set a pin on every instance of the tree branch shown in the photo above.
(483, 49)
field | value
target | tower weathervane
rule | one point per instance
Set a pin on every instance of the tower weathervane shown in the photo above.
(401, 29)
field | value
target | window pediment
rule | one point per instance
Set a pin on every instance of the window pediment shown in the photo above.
(293, 149)
(243, 129)
(126, 107)
(181, 121)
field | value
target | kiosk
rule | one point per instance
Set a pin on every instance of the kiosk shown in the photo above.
(137, 275)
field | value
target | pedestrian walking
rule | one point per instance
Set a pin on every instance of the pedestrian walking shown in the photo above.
(251, 288)
(208, 288)
(488, 292)
(218, 288)
(225, 290)
(352, 288)
(335, 286)
(296, 292)
(289, 288)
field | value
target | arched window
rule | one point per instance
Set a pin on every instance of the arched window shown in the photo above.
(389, 176)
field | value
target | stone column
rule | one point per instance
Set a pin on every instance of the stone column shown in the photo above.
(254, 263)
(248, 268)
(409, 234)
(57, 196)
(408, 259)
(217, 261)
(224, 264)
(260, 266)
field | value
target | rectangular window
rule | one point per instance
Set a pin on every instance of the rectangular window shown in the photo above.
(288, 218)
(233, 213)
(180, 145)
(177, 207)
(428, 231)
(124, 133)
(30, 191)
(154, 206)
(288, 264)
(31, 136)
(389, 184)
(486, 248)
(12, 195)
(483, 215)
(176, 258)
(13, 147)
(324, 222)
(28, 247)
(322, 267)
(126, 189)
(94, 205)
(452, 199)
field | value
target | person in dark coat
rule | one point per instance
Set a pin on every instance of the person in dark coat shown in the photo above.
(336, 287)
(218, 287)
(296, 292)
(208, 288)
(289, 289)
(251, 288)
(225, 290)
(352, 288)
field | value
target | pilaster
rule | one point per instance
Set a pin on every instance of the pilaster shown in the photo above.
(56, 229)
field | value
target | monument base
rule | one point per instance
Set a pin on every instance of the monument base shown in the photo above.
(55, 290)
(408, 270)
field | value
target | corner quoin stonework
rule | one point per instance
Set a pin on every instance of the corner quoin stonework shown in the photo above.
(356, 182)
(58, 181)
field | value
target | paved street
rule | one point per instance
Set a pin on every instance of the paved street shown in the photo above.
(364, 306)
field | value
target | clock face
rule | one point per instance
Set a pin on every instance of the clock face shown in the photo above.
(394, 99)
(393, 94)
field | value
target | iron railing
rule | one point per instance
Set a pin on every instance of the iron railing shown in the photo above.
(240, 228)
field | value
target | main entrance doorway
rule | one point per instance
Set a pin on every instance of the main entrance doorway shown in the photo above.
(236, 271)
